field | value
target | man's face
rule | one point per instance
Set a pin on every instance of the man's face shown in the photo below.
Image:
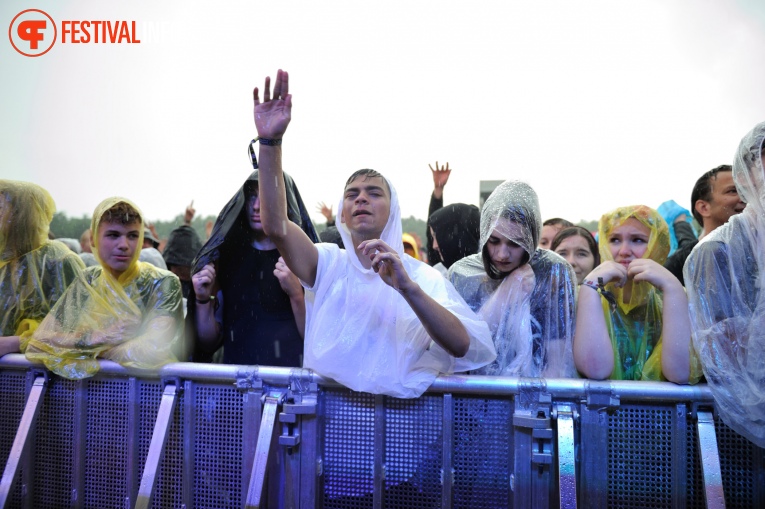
(117, 244)
(252, 209)
(366, 206)
(725, 201)
(548, 234)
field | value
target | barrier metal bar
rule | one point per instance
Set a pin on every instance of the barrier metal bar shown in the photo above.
(710, 461)
(265, 437)
(157, 446)
(28, 419)
(564, 388)
(566, 460)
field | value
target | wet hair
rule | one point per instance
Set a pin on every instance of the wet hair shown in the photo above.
(121, 213)
(572, 231)
(367, 174)
(703, 189)
(558, 221)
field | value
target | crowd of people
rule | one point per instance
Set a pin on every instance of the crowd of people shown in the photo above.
(503, 292)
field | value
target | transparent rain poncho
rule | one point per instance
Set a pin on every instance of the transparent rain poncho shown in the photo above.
(635, 327)
(34, 272)
(724, 278)
(362, 333)
(135, 320)
(531, 310)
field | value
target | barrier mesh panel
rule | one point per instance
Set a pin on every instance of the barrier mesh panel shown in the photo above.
(14, 398)
(737, 467)
(54, 446)
(348, 449)
(640, 457)
(413, 452)
(168, 491)
(218, 434)
(106, 455)
(693, 475)
(483, 442)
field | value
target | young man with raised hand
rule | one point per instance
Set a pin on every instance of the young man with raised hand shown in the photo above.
(377, 320)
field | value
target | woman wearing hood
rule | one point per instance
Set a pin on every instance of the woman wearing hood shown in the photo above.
(525, 294)
(34, 271)
(122, 310)
(724, 276)
(632, 319)
(244, 297)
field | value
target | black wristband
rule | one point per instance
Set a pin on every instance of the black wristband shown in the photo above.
(205, 301)
(270, 142)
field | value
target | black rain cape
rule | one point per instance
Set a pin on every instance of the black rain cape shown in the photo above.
(230, 230)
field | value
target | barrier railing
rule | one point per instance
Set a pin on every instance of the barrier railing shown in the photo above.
(215, 436)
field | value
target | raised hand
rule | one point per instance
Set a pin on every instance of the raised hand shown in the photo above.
(325, 211)
(188, 215)
(440, 178)
(387, 263)
(272, 116)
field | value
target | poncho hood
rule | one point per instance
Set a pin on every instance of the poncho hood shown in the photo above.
(98, 215)
(517, 202)
(26, 211)
(392, 233)
(657, 249)
(231, 225)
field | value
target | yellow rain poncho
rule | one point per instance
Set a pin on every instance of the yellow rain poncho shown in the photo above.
(635, 327)
(136, 319)
(725, 278)
(34, 272)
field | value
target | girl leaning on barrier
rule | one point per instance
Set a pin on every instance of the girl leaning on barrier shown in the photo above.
(525, 294)
(632, 316)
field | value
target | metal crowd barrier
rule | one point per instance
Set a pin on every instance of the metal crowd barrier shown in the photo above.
(215, 436)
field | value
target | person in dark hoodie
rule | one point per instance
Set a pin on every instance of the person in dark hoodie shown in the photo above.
(182, 246)
(244, 297)
(454, 231)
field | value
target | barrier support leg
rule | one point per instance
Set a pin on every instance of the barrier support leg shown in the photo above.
(565, 416)
(157, 446)
(258, 474)
(28, 419)
(710, 461)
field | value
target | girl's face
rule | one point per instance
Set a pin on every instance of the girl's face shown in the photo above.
(576, 251)
(629, 241)
(505, 255)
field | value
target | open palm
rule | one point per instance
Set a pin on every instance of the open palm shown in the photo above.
(272, 116)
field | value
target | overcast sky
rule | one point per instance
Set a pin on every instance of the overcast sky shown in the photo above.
(596, 104)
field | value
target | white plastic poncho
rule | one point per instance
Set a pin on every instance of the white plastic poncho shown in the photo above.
(531, 310)
(725, 275)
(363, 334)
